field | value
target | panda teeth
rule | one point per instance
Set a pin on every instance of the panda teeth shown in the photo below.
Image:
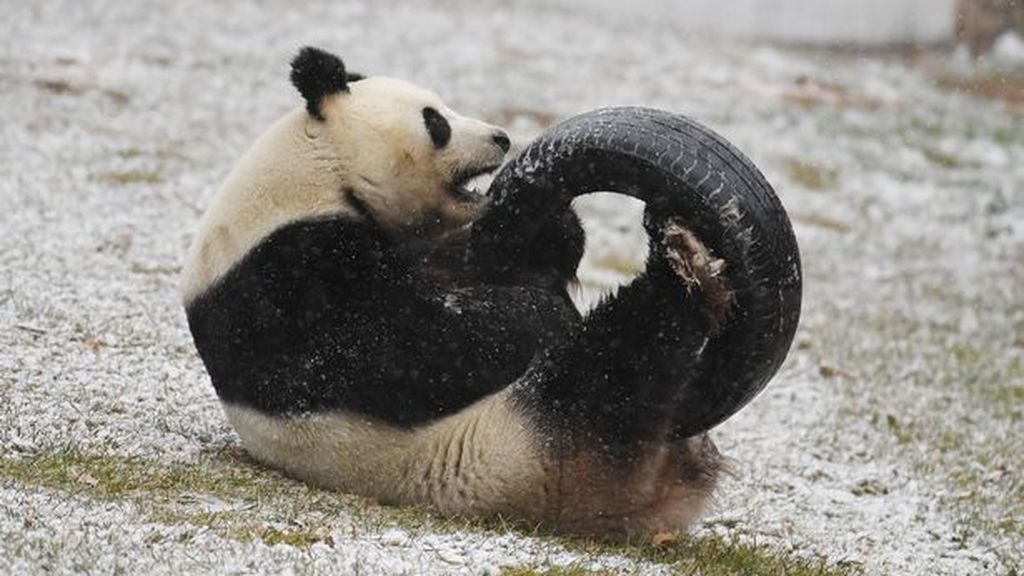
(474, 187)
(478, 184)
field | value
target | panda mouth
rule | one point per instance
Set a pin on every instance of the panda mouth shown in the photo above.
(471, 185)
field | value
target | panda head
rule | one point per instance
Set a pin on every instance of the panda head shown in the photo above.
(408, 157)
(376, 149)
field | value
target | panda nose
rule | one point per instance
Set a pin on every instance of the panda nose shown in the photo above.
(501, 139)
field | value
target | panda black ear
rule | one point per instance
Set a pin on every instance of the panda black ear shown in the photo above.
(317, 74)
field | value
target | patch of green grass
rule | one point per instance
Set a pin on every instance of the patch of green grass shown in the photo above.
(298, 538)
(930, 126)
(116, 477)
(131, 152)
(294, 514)
(246, 527)
(1006, 135)
(571, 570)
(902, 431)
(704, 556)
(812, 176)
(129, 177)
(159, 154)
(172, 494)
(717, 556)
(945, 159)
(686, 554)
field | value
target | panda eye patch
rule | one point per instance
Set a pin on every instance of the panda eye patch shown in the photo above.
(437, 126)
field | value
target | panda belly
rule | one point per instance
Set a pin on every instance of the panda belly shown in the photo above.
(484, 460)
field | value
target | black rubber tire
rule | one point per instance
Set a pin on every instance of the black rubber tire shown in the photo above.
(687, 173)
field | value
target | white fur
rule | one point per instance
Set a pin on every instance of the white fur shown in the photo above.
(471, 462)
(483, 461)
(374, 143)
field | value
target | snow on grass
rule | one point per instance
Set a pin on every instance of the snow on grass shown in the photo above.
(889, 443)
(211, 515)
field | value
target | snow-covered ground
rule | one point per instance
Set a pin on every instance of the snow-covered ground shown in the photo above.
(891, 440)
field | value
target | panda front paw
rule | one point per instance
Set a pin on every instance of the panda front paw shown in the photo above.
(700, 273)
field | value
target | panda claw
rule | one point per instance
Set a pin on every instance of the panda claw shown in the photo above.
(700, 272)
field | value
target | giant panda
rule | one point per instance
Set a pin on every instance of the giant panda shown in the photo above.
(370, 324)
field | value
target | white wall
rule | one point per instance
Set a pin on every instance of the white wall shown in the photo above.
(828, 21)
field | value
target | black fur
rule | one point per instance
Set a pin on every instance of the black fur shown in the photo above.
(317, 74)
(608, 386)
(437, 126)
(557, 249)
(329, 314)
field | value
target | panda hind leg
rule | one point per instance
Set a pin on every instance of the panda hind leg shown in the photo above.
(602, 400)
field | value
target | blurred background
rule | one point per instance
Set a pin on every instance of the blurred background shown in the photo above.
(979, 25)
(825, 22)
